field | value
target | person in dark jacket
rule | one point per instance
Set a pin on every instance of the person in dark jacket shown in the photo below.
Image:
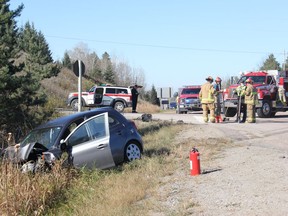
(135, 94)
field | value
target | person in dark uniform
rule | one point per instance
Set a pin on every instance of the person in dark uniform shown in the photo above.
(135, 94)
(241, 106)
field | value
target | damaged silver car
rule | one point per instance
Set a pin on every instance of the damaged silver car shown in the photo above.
(99, 138)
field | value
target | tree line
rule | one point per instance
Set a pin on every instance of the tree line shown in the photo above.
(26, 60)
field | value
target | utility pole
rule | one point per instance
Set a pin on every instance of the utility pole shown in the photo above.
(284, 64)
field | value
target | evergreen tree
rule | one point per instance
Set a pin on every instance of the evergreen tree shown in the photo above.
(66, 62)
(153, 96)
(108, 73)
(11, 92)
(95, 67)
(270, 64)
(285, 67)
(36, 52)
(19, 86)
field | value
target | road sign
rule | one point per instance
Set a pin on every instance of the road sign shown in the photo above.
(78, 67)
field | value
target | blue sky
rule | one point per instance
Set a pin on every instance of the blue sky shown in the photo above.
(175, 42)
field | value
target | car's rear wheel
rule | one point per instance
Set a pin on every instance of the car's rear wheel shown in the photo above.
(119, 106)
(132, 152)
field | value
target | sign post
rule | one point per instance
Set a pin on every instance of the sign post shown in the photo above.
(79, 69)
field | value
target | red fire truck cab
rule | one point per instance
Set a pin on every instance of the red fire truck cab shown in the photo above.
(268, 84)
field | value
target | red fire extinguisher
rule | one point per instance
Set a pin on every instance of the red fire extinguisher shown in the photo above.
(194, 162)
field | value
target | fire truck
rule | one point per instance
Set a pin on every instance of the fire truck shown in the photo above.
(188, 99)
(270, 85)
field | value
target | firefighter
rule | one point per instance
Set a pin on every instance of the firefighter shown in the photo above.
(281, 95)
(250, 100)
(218, 96)
(206, 96)
(241, 106)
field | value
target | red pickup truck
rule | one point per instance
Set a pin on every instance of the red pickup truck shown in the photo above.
(188, 99)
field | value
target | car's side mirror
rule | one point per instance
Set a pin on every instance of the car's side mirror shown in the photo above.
(63, 146)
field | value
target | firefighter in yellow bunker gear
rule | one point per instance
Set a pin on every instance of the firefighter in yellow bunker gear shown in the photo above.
(206, 95)
(250, 100)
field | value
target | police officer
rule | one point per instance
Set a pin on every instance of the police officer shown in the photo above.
(241, 106)
(206, 96)
(134, 98)
(250, 100)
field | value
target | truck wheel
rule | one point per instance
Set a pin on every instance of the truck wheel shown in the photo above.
(266, 110)
(230, 112)
(74, 104)
(119, 106)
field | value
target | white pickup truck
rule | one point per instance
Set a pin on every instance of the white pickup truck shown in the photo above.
(99, 96)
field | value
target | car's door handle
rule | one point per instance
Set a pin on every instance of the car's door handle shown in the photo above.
(101, 146)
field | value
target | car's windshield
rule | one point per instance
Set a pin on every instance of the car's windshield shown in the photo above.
(45, 136)
(256, 79)
(191, 91)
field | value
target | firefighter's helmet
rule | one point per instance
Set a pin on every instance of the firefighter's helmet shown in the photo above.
(218, 79)
(249, 80)
(209, 78)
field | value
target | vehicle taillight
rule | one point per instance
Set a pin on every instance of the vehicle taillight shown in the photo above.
(134, 125)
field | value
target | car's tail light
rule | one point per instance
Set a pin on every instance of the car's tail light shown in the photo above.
(134, 125)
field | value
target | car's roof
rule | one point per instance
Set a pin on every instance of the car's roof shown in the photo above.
(61, 121)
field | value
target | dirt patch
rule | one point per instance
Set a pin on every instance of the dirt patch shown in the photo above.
(239, 179)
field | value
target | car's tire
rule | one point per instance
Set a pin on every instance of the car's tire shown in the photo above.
(74, 104)
(132, 152)
(119, 106)
(266, 110)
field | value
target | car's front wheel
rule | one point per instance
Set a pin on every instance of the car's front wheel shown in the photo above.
(74, 104)
(132, 152)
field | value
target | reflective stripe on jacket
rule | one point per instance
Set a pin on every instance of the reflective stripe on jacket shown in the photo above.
(206, 93)
(251, 95)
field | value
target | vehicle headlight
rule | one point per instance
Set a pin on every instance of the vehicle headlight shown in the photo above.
(48, 157)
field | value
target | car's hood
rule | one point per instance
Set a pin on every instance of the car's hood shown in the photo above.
(23, 152)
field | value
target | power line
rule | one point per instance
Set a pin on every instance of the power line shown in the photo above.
(165, 47)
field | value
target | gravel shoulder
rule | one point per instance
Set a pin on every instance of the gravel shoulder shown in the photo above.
(245, 179)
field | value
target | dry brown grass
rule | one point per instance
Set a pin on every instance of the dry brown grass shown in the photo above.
(28, 194)
(58, 88)
(145, 107)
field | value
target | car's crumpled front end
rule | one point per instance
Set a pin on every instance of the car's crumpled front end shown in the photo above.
(31, 157)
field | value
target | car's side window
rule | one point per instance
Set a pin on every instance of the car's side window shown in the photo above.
(97, 127)
(121, 91)
(79, 136)
(112, 121)
(71, 127)
(110, 90)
